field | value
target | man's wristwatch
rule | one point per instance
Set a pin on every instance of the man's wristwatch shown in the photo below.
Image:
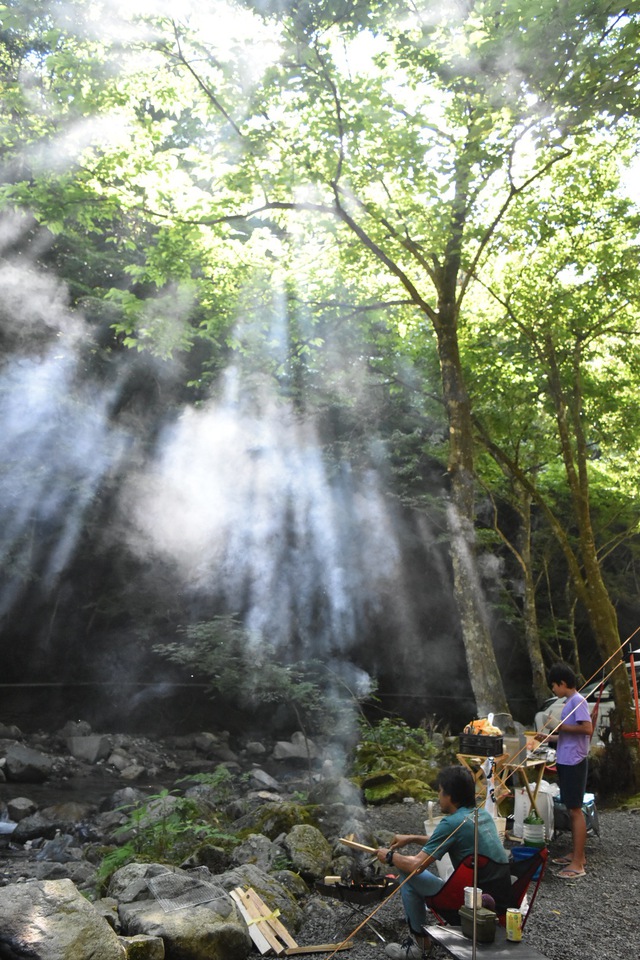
(389, 856)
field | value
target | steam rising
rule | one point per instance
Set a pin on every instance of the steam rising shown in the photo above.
(56, 443)
(237, 495)
(243, 500)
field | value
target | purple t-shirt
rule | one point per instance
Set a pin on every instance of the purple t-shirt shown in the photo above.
(573, 747)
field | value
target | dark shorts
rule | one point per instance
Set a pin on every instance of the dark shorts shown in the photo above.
(573, 783)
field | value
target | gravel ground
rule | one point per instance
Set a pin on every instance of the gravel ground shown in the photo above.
(594, 918)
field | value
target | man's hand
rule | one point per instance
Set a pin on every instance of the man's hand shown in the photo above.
(381, 854)
(402, 839)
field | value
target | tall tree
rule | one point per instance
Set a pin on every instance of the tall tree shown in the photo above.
(419, 153)
(563, 356)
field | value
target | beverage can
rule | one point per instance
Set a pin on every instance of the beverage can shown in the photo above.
(514, 925)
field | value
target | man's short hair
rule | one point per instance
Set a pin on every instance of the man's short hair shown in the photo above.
(458, 783)
(562, 673)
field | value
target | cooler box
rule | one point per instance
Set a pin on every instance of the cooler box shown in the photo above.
(485, 924)
(562, 819)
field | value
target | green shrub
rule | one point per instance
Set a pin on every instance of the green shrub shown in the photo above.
(393, 761)
(161, 832)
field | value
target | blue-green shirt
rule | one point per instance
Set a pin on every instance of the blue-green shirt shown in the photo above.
(459, 843)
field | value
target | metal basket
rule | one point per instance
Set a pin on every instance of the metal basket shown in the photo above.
(479, 745)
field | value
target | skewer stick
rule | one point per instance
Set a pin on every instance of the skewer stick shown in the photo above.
(357, 846)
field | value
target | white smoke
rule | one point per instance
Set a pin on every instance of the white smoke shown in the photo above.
(56, 442)
(243, 500)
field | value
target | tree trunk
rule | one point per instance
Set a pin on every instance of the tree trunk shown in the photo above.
(484, 673)
(529, 611)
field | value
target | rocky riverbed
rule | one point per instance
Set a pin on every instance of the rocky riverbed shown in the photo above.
(65, 796)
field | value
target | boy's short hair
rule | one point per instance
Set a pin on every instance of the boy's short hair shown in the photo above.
(562, 673)
(458, 783)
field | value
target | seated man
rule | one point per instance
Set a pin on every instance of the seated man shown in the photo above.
(453, 835)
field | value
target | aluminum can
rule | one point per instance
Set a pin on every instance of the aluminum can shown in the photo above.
(514, 925)
(471, 893)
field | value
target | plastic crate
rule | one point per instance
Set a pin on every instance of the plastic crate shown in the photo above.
(477, 745)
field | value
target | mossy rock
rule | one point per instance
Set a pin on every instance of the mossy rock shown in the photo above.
(272, 819)
(308, 850)
(388, 788)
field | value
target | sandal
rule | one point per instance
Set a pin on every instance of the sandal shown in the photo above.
(569, 873)
(562, 861)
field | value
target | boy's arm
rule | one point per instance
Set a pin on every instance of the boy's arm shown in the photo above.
(577, 726)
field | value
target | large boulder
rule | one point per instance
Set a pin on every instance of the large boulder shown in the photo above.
(213, 930)
(25, 765)
(90, 749)
(298, 748)
(308, 851)
(35, 826)
(69, 812)
(258, 849)
(130, 882)
(336, 790)
(20, 807)
(9, 731)
(51, 920)
(271, 818)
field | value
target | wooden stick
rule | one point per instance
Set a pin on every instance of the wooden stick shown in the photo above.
(357, 846)
(317, 948)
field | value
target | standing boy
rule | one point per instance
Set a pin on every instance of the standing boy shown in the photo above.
(573, 736)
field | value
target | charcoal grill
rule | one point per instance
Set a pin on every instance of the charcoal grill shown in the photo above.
(358, 895)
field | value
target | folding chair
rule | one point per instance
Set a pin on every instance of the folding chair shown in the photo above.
(447, 902)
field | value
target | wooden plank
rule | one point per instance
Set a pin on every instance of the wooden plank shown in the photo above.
(258, 921)
(258, 938)
(278, 928)
(266, 930)
(461, 948)
(356, 846)
(317, 948)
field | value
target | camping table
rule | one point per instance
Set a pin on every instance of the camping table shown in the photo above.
(474, 765)
(530, 772)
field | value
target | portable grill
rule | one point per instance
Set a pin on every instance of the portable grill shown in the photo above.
(358, 895)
